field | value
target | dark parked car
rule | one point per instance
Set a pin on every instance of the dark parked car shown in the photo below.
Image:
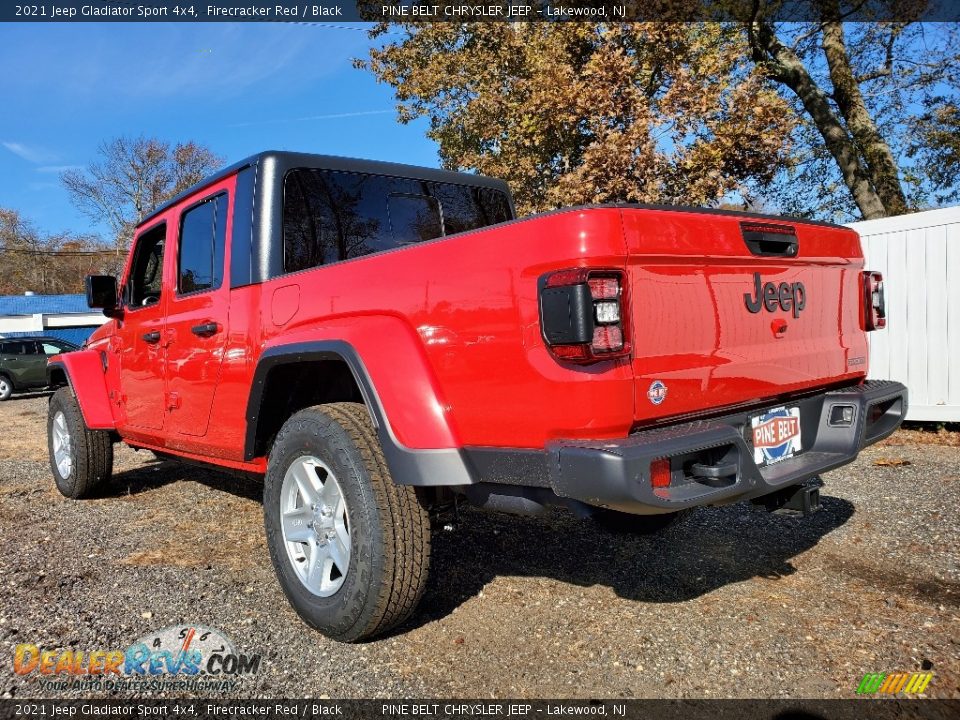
(23, 362)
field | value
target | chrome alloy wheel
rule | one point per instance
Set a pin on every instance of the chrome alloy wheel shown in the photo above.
(62, 450)
(315, 525)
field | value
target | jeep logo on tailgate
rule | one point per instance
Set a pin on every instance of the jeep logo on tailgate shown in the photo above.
(785, 296)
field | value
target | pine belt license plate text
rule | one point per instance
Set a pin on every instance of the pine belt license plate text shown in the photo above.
(776, 435)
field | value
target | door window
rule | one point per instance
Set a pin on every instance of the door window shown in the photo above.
(203, 231)
(145, 284)
(50, 348)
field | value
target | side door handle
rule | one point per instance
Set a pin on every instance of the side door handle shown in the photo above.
(205, 329)
(152, 337)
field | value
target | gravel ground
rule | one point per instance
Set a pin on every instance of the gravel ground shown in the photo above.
(732, 603)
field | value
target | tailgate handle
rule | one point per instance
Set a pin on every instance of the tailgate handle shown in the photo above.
(770, 240)
(713, 471)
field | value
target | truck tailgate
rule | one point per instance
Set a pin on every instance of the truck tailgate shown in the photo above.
(718, 322)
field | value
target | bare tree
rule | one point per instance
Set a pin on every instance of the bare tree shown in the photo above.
(133, 176)
(937, 147)
(856, 89)
(46, 264)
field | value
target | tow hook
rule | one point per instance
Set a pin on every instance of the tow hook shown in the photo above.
(794, 500)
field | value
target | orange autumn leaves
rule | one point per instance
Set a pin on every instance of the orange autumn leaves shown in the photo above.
(575, 113)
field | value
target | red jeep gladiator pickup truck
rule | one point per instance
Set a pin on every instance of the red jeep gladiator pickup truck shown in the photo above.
(375, 339)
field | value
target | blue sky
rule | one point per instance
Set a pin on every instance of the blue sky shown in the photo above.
(237, 88)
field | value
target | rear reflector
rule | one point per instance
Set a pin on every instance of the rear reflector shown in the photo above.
(660, 473)
(572, 352)
(562, 278)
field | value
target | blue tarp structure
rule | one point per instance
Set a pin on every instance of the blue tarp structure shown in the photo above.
(33, 304)
(13, 305)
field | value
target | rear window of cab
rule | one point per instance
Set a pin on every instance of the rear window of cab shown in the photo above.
(329, 215)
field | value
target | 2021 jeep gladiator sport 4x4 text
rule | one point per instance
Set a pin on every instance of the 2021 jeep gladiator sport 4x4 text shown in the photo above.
(375, 339)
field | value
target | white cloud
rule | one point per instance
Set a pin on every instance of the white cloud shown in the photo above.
(162, 67)
(30, 154)
(57, 169)
(331, 116)
(218, 59)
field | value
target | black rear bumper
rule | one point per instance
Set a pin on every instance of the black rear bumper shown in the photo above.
(712, 461)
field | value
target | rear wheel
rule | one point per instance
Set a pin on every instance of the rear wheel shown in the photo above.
(349, 546)
(6, 388)
(625, 523)
(80, 458)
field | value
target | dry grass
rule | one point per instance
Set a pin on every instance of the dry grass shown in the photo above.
(916, 433)
(214, 532)
(24, 428)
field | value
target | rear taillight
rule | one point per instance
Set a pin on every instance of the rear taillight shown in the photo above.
(874, 304)
(660, 474)
(582, 314)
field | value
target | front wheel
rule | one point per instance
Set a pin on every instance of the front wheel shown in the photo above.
(80, 458)
(349, 546)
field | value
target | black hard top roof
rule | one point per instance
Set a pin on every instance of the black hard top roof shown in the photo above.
(287, 159)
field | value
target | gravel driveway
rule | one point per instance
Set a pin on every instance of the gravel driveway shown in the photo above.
(733, 603)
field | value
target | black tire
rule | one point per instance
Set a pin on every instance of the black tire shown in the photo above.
(6, 388)
(90, 451)
(626, 524)
(389, 527)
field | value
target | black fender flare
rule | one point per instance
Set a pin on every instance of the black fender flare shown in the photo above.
(425, 468)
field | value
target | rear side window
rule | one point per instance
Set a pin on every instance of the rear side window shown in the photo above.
(330, 215)
(202, 240)
(468, 208)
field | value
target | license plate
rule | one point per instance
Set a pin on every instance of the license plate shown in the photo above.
(776, 435)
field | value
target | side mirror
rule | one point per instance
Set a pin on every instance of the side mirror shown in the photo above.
(102, 294)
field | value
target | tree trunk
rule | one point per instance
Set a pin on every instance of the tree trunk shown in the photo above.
(881, 165)
(784, 66)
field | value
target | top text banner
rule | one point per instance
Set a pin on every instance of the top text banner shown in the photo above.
(326, 11)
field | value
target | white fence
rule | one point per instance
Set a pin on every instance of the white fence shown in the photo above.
(919, 256)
